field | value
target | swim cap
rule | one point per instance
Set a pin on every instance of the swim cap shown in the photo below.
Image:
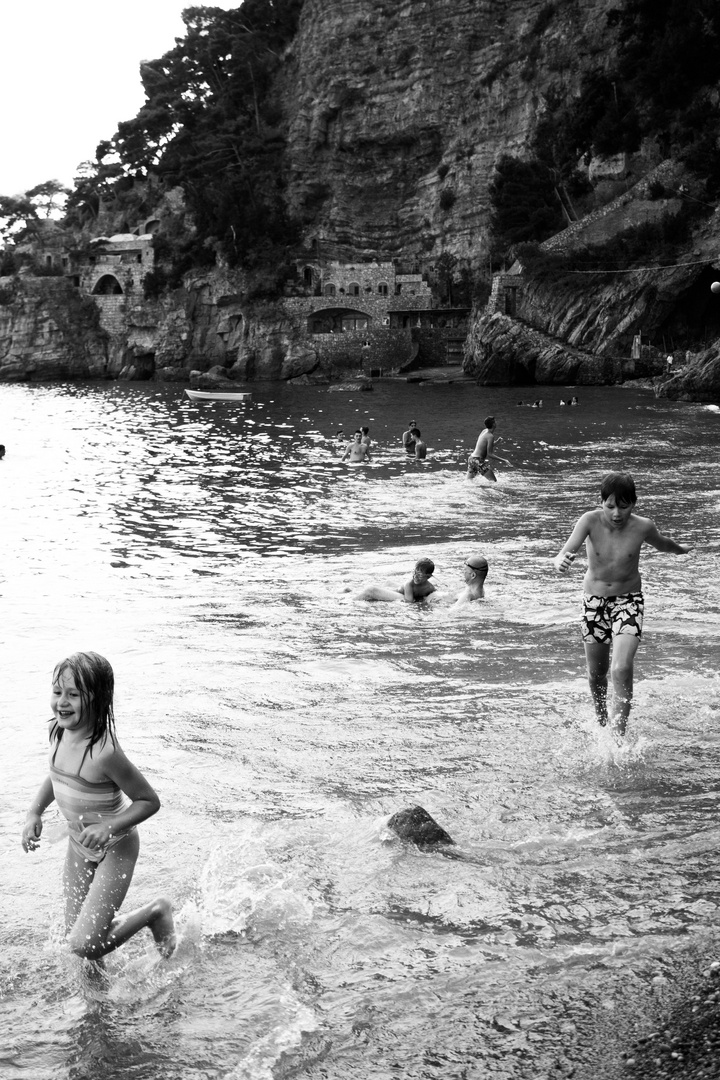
(477, 562)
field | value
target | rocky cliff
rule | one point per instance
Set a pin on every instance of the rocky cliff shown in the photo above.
(399, 109)
(396, 112)
(48, 331)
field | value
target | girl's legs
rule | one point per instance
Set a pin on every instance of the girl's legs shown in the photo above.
(97, 929)
(597, 658)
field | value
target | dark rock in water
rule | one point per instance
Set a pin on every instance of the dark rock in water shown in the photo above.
(416, 825)
(214, 379)
(352, 386)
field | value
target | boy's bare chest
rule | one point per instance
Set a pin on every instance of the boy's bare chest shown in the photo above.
(616, 546)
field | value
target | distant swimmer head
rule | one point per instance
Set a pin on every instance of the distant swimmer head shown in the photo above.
(478, 563)
(415, 432)
(621, 485)
(489, 421)
(425, 567)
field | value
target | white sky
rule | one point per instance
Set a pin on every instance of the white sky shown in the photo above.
(69, 73)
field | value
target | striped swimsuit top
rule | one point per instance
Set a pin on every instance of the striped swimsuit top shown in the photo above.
(83, 803)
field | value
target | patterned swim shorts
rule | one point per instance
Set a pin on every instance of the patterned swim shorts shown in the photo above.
(604, 617)
(476, 466)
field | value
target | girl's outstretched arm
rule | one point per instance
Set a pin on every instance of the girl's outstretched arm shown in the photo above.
(33, 821)
(144, 799)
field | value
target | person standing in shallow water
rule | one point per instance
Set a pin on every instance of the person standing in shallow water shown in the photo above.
(613, 604)
(104, 797)
(484, 452)
(408, 438)
(357, 450)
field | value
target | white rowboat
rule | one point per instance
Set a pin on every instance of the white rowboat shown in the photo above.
(217, 395)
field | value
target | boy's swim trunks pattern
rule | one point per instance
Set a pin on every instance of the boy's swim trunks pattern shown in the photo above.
(604, 617)
(476, 466)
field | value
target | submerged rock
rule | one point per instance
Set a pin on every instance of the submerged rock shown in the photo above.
(416, 825)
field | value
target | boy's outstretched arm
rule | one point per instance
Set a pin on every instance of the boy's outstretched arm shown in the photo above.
(664, 543)
(564, 558)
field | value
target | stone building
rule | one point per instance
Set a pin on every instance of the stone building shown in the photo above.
(368, 316)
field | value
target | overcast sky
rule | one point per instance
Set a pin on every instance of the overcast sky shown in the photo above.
(69, 73)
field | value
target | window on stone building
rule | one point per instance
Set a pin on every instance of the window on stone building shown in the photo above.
(382, 288)
(354, 322)
(353, 289)
(329, 289)
(307, 275)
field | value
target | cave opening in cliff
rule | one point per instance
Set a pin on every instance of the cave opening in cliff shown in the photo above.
(107, 285)
(694, 322)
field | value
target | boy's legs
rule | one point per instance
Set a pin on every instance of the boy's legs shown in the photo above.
(623, 655)
(597, 658)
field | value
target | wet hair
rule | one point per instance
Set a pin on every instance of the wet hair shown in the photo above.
(619, 484)
(365, 430)
(415, 431)
(489, 421)
(95, 681)
(426, 565)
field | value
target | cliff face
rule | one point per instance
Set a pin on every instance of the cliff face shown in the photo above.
(47, 330)
(397, 112)
(399, 109)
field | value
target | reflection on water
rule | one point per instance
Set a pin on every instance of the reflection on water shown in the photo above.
(210, 550)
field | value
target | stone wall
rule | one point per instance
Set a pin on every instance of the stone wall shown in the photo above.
(368, 351)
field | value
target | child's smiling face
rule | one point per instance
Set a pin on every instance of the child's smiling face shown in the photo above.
(66, 702)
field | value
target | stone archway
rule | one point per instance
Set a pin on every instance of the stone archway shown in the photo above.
(107, 285)
(338, 320)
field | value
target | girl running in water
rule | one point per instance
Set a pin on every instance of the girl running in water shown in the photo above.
(103, 796)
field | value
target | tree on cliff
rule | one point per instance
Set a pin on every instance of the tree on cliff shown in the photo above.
(20, 215)
(661, 84)
(525, 204)
(211, 126)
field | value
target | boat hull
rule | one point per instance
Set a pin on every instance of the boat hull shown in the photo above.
(217, 395)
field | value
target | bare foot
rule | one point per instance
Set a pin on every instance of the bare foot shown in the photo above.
(162, 927)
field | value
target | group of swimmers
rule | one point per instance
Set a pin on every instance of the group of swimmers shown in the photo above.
(613, 605)
(358, 449)
(419, 587)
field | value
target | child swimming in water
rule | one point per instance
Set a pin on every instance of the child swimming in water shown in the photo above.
(92, 780)
(418, 587)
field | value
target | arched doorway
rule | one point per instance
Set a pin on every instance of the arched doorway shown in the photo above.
(107, 285)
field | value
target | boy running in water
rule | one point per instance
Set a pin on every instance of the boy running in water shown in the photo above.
(613, 601)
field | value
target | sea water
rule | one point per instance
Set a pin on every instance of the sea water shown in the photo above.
(210, 552)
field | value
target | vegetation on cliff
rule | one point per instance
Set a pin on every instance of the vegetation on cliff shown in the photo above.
(658, 83)
(211, 125)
